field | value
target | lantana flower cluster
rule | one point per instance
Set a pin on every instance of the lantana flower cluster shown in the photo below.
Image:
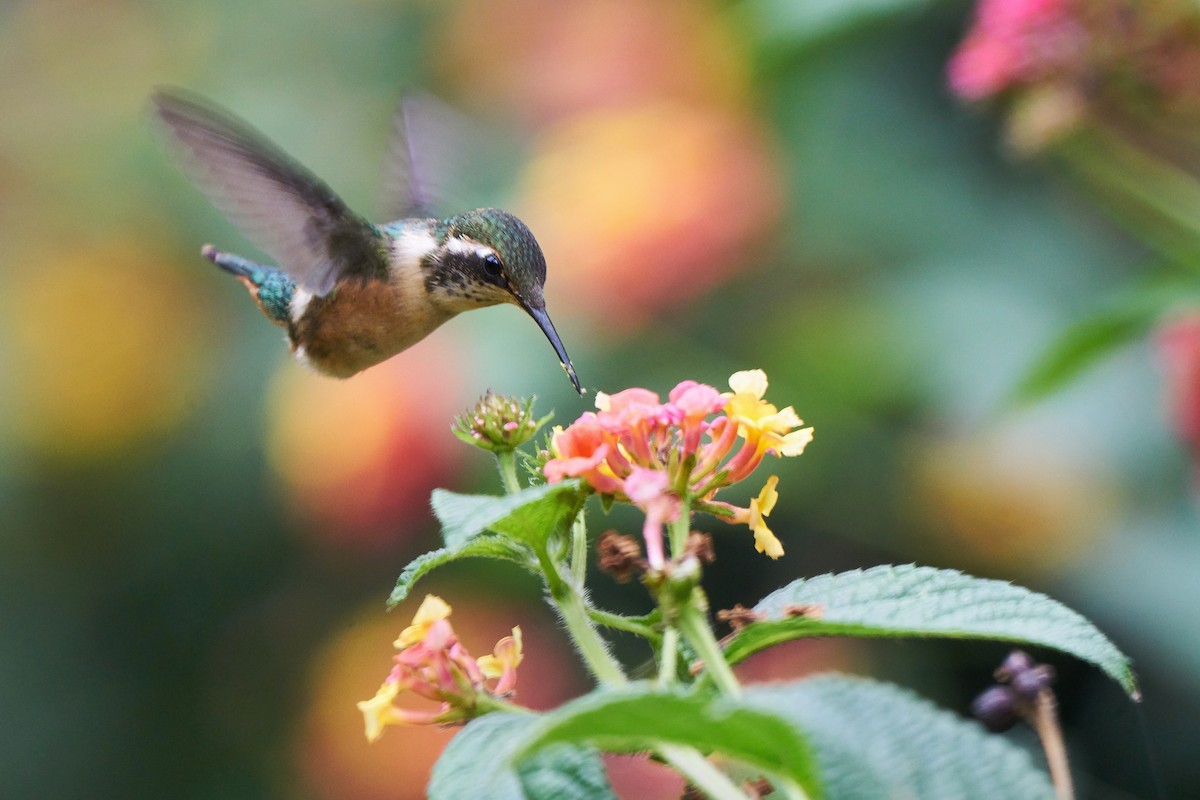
(668, 457)
(433, 664)
(1071, 61)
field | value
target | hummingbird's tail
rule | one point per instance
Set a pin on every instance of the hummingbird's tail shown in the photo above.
(271, 288)
(234, 264)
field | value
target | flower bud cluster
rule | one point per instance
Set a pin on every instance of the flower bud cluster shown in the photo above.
(498, 423)
(1019, 682)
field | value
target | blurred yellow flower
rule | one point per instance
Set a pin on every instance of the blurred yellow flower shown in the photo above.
(1010, 499)
(606, 53)
(108, 348)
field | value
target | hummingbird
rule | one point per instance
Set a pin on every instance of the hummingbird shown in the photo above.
(351, 293)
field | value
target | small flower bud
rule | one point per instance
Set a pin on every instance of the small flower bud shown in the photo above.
(1030, 682)
(996, 708)
(1014, 663)
(498, 423)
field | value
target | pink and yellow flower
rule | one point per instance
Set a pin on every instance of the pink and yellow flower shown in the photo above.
(669, 458)
(432, 663)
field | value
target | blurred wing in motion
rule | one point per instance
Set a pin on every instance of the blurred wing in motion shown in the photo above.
(433, 153)
(288, 212)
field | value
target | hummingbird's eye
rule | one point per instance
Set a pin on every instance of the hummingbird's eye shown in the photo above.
(492, 266)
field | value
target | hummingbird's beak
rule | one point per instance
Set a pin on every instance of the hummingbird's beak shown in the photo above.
(543, 320)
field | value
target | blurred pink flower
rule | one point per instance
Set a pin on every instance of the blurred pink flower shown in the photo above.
(1012, 42)
(1179, 348)
(359, 457)
(645, 207)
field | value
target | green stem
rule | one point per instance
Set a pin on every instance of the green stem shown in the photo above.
(579, 549)
(506, 460)
(486, 703)
(670, 656)
(695, 627)
(620, 623)
(700, 772)
(1164, 199)
(568, 599)
(677, 531)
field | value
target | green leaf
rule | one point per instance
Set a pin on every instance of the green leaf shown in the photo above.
(908, 601)
(1081, 345)
(530, 515)
(479, 764)
(1126, 318)
(873, 739)
(487, 546)
(639, 717)
(791, 25)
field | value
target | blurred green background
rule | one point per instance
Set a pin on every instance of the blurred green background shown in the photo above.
(198, 535)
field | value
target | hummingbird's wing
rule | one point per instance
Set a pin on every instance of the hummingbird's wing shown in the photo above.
(437, 159)
(282, 207)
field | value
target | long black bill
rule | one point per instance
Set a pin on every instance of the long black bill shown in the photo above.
(543, 320)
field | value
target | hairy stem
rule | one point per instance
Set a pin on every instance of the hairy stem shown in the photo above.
(579, 549)
(670, 656)
(506, 460)
(677, 531)
(628, 624)
(695, 627)
(568, 600)
(700, 772)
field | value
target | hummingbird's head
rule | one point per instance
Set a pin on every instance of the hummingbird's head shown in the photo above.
(488, 257)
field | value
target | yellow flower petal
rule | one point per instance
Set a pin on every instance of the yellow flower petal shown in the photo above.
(432, 609)
(749, 381)
(781, 421)
(768, 496)
(506, 655)
(378, 712)
(765, 542)
(795, 442)
(760, 508)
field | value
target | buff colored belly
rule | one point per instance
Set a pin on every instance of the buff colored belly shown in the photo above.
(361, 324)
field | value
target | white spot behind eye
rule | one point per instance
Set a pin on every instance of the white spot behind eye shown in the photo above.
(466, 248)
(412, 245)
